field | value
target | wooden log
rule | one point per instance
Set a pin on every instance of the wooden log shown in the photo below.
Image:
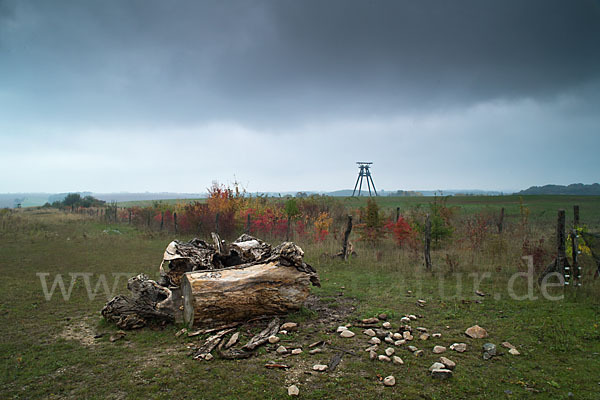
(501, 221)
(239, 294)
(346, 237)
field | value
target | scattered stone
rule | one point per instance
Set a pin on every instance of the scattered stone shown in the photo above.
(489, 351)
(370, 320)
(374, 340)
(437, 365)
(296, 351)
(418, 353)
(208, 357)
(372, 355)
(341, 329)
(389, 351)
(421, 329)
(289, 326)
(424, 336)
(293, 390)
(397, 336)
(448, 363)
(459, 347)
(476, 332)
(273, 339)
(421, 301)
(387, 325)
(514, 352)
(412, 348)
(282, 332)
(439, 349)
(397, 360)
(409, 291)
(399, 342)
(372, 348)
(413, 317)
(441, 373)
(436, 335)
(407, 336)
(232, 340)
(389, 381)
(479, 293)
(381, 333)
(384, 358)
(281, 350)
(181, 332)
(405, 320)
(383, 316)
(369, 332)
(315, 351)
(507, 345)
(319, 367)
(388, 339)
(347, 334)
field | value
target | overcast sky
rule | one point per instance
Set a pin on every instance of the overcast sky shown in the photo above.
(287, 95)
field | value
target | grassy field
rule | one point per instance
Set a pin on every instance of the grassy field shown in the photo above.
(61, 349)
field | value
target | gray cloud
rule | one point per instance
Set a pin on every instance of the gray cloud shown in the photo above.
(267, 61)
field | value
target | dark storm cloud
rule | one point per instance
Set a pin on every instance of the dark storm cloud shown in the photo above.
(271, 61)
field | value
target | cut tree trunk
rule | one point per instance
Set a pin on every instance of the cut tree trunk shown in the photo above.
(239, 294)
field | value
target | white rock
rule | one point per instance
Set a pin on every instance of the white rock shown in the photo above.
(315, 351)
(296, 351)
(281, 350)
(413, 317)
(374, 340)
(273, 339)
(441, 373)
(397, 336)
(369, 332)
(507, 345)
(208, 357)
(320, 367)
(448, 363)
(347, 334)
(389, 351)
(459, 347)
(424, 336)
(418, 353)
(421, 329)
(412, 348)
(405, 320)
(514, 352)
(289, 326)
(293, 390)
(437, 365)
(399, 342)
(384, 358)
(372, 355)
(439, 349)
(407, 335)
(386, 325)
(388, 339)
(397, 360)
(389, 381)
(341, 329)
(436, 335)
(372, 348)
(282, 332)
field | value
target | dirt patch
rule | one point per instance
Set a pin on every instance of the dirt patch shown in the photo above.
(79, 330)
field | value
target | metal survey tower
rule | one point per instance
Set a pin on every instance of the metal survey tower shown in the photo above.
(364, 171)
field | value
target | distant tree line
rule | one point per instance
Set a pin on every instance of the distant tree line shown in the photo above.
(74, 200)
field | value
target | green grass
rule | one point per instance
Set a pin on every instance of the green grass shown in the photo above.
(42, 354)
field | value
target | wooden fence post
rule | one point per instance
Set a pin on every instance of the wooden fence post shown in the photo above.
(248, 224)
(175, 221)
(129, 217)
(428, 243)
(287, 232)
(501, 221)
(397, 213)
(575, 246)
(345, 249)
(162, 220)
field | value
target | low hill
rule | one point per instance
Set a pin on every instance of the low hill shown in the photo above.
(573, 189)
